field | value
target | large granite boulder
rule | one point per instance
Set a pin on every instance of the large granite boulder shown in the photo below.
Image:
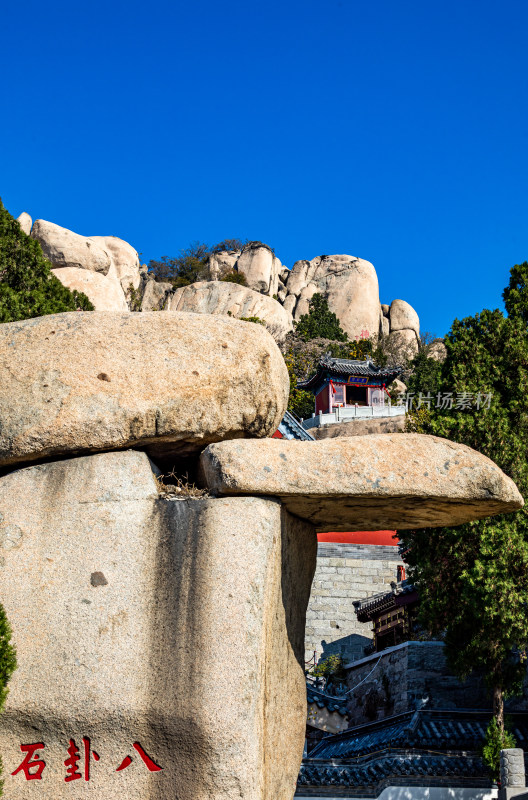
(437, 350)
(124, 258)
(222, 263)
(172, 625)
(219, 297)
(25, 222)
(350, 285)
(367, 482)
(155, 295)
(403, 317)
(261, 268)
(67, 249)
(104, 291)
(402, 345)
(172, 383)
(106, 256)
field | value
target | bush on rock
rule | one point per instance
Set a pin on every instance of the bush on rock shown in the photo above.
(27, 286)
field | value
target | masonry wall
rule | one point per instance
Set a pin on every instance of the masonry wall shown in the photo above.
(409, 676)
(345, 572)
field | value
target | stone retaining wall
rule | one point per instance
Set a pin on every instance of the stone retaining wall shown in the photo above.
(345, 572)
(409, 676)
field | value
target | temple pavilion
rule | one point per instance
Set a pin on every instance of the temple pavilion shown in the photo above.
(348, 388)
(391, 613)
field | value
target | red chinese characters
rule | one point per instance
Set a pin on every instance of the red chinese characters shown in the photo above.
(27, 764)
(73, 773)
(151, 765)
(32, 766)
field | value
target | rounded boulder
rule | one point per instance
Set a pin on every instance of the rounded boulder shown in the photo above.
(169, 383)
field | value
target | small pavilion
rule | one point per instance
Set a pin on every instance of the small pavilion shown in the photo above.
(391, 614)
(342, 384)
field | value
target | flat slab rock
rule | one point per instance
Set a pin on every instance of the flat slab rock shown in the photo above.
(170, 383)
(365, 482)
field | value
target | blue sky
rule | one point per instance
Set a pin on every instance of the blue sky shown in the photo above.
(394, 131)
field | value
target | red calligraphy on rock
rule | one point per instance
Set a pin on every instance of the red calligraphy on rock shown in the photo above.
(30, 750)
(150, 764)
(73, 773)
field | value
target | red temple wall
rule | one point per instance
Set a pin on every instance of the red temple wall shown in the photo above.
(360, 537)
(321, 401)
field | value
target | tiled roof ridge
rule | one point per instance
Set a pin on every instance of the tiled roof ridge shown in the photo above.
(348, 366)
(331, 702)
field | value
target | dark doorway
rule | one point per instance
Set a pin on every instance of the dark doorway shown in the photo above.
(356, 394)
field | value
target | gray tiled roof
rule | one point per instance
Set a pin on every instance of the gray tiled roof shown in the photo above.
(344, 367)
(292, 429)
(326, 701)
(376, 603)
(425, 747)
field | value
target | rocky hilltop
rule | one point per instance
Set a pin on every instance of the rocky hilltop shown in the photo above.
(107, 269)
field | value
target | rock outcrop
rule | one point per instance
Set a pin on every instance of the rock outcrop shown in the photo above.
(261, 268)
(437, 350)
(106, 256)
(124, 258)
(403, 317)
(104, 291)
(67, 249)
(164, 634)
(365, 482)
(219, 297)
(155, 295)
(178, 625)
(25, 222)
(402, 345)
(349, 284)
(90, 381)
(221, 264)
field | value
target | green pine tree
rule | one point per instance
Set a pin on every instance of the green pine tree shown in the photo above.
(320, 322)
(27, 286)
(515, 295)
(7, 665)
(472, 578)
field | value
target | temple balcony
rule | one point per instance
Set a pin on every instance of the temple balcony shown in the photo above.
(350, 413)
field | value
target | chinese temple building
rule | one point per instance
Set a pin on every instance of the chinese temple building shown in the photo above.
(419, 754)
(345, 389)
(391, 614)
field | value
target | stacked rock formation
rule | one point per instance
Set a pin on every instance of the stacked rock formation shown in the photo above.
(165, 633)
(107, 270)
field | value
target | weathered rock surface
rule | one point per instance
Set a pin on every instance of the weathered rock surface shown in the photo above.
(172, 383)
(178, 625)
(155, 295)
(260, 267)
(67, 249)
(221, 264)
(437, 350)
(399, 386)
(403, 317)
(104, 291)
(403, 345)
(217, 297)
(360, 427)
(366, 482)
(124, 258)
(349, 284)
(25, 222)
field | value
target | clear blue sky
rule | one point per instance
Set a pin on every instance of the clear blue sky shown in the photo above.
(392, 130)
